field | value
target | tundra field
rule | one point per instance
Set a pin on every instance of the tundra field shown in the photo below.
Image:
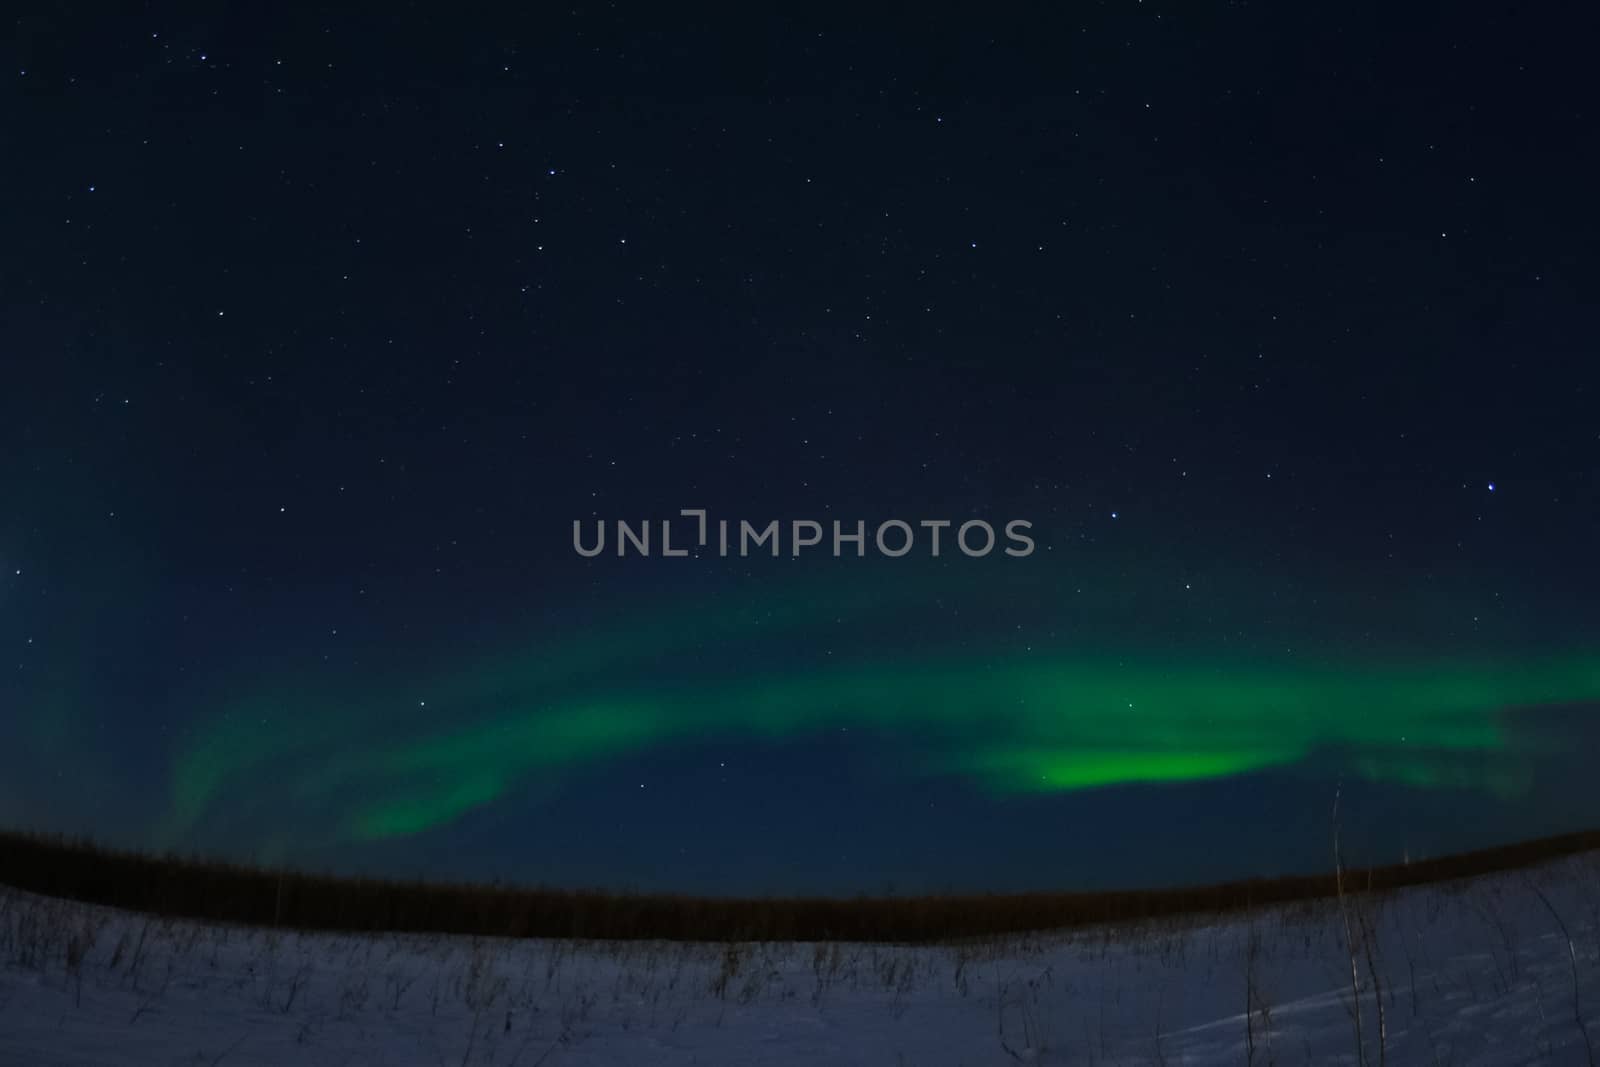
(1495, 968)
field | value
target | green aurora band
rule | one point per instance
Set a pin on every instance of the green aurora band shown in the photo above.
(364, 771)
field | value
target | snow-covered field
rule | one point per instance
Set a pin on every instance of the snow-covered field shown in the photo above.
(1479, 972)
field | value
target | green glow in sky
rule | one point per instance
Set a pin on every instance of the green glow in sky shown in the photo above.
(388, 765)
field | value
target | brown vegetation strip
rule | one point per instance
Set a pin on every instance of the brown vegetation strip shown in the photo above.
(199, 889)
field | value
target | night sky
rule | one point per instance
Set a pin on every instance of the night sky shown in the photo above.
(1276, 321)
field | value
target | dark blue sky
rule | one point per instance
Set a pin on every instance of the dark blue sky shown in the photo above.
(317, 333)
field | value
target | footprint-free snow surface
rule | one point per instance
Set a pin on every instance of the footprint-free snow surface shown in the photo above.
(1497, 970)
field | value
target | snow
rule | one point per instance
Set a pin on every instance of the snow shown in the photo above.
(1469, 973)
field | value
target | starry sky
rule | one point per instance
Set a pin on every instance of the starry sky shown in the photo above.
(318, 332)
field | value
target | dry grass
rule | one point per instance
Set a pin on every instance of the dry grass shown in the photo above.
(212, 890)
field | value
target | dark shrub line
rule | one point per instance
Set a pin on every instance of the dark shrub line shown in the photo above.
(229, 892)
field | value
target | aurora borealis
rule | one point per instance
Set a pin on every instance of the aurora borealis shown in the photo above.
(1052, 727)
(319, 337)
(418, 754)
